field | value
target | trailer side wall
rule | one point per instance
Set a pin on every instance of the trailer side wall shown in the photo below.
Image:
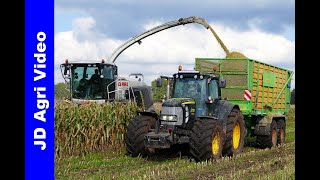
(258, 88)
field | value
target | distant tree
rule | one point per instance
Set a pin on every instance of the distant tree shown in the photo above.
(159, 92)
(293, 96)
(60, 91)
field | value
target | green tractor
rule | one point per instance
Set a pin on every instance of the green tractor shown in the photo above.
(194, 115)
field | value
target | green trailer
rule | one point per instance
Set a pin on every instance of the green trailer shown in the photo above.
(261, 90)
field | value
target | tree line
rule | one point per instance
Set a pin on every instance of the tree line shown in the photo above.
(60, 91)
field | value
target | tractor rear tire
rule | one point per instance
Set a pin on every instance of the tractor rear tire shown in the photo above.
(281, 131)
(268, 141)
(206, 140)
(138, 127)
(235, 134)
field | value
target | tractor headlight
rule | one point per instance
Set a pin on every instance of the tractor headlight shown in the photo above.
(169, 118)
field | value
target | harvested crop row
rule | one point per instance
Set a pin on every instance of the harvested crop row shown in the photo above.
(90, 127)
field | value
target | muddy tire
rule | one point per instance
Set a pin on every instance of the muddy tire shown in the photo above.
(281, 131)
(235, 134)
(268, 141)
(206, 140)
(138, 127)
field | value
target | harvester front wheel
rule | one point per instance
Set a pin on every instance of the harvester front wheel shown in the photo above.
(235, 133)
(206, 140)
(268, 141)
(138, 127)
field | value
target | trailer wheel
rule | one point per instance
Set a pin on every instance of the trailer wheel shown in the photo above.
(268, 141)
(206, 140)
(281, 131)
(138, 127)
(235, 133)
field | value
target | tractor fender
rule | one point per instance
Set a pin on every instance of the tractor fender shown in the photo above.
(221, 111)
(146, 113)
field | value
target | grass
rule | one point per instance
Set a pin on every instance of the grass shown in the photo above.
(272, 164)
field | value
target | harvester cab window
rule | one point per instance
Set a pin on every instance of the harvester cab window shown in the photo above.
(95, 76)
(78, 81)
(107, 72)
(90, 72)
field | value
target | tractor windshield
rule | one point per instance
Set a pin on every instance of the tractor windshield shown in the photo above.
(190, 88)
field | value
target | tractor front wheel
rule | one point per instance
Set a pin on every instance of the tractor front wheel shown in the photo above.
(138, 127)
(206, 140)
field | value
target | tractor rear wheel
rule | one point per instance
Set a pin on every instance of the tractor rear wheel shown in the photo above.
(281, 131)
(268, 141)
(138, 127)
(206, 140)
(235, 133)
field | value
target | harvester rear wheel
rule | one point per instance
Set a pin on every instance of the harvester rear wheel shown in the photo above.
(235, 133)
(281, 131)
(268, 141)
(206, 140)
(138, 127)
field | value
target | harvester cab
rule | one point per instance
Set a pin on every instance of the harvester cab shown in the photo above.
(94, 82)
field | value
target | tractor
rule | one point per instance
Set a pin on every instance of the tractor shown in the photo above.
(194, 115)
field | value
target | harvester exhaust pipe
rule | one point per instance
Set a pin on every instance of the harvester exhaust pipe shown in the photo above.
(168, 89)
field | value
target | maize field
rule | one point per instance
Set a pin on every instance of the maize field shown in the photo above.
(90, 127)
(276, 163)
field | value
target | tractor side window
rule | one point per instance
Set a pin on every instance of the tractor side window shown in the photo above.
(213, 89)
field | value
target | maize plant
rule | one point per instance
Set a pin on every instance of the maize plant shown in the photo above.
(90, 127)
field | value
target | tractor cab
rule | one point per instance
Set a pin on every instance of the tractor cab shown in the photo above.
(194, 90)
(194, 97)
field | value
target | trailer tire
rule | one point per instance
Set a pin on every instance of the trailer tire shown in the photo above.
(281, 131)
(235, 133)
(268, 141)
(206, 140)
(135, 132)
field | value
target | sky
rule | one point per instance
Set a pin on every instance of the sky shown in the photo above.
(90, 30)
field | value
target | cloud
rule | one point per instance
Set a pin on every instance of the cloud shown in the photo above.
(161, 53)
(123, 18)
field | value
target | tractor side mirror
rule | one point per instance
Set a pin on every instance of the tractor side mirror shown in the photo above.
(159, 82)
(222, 83)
